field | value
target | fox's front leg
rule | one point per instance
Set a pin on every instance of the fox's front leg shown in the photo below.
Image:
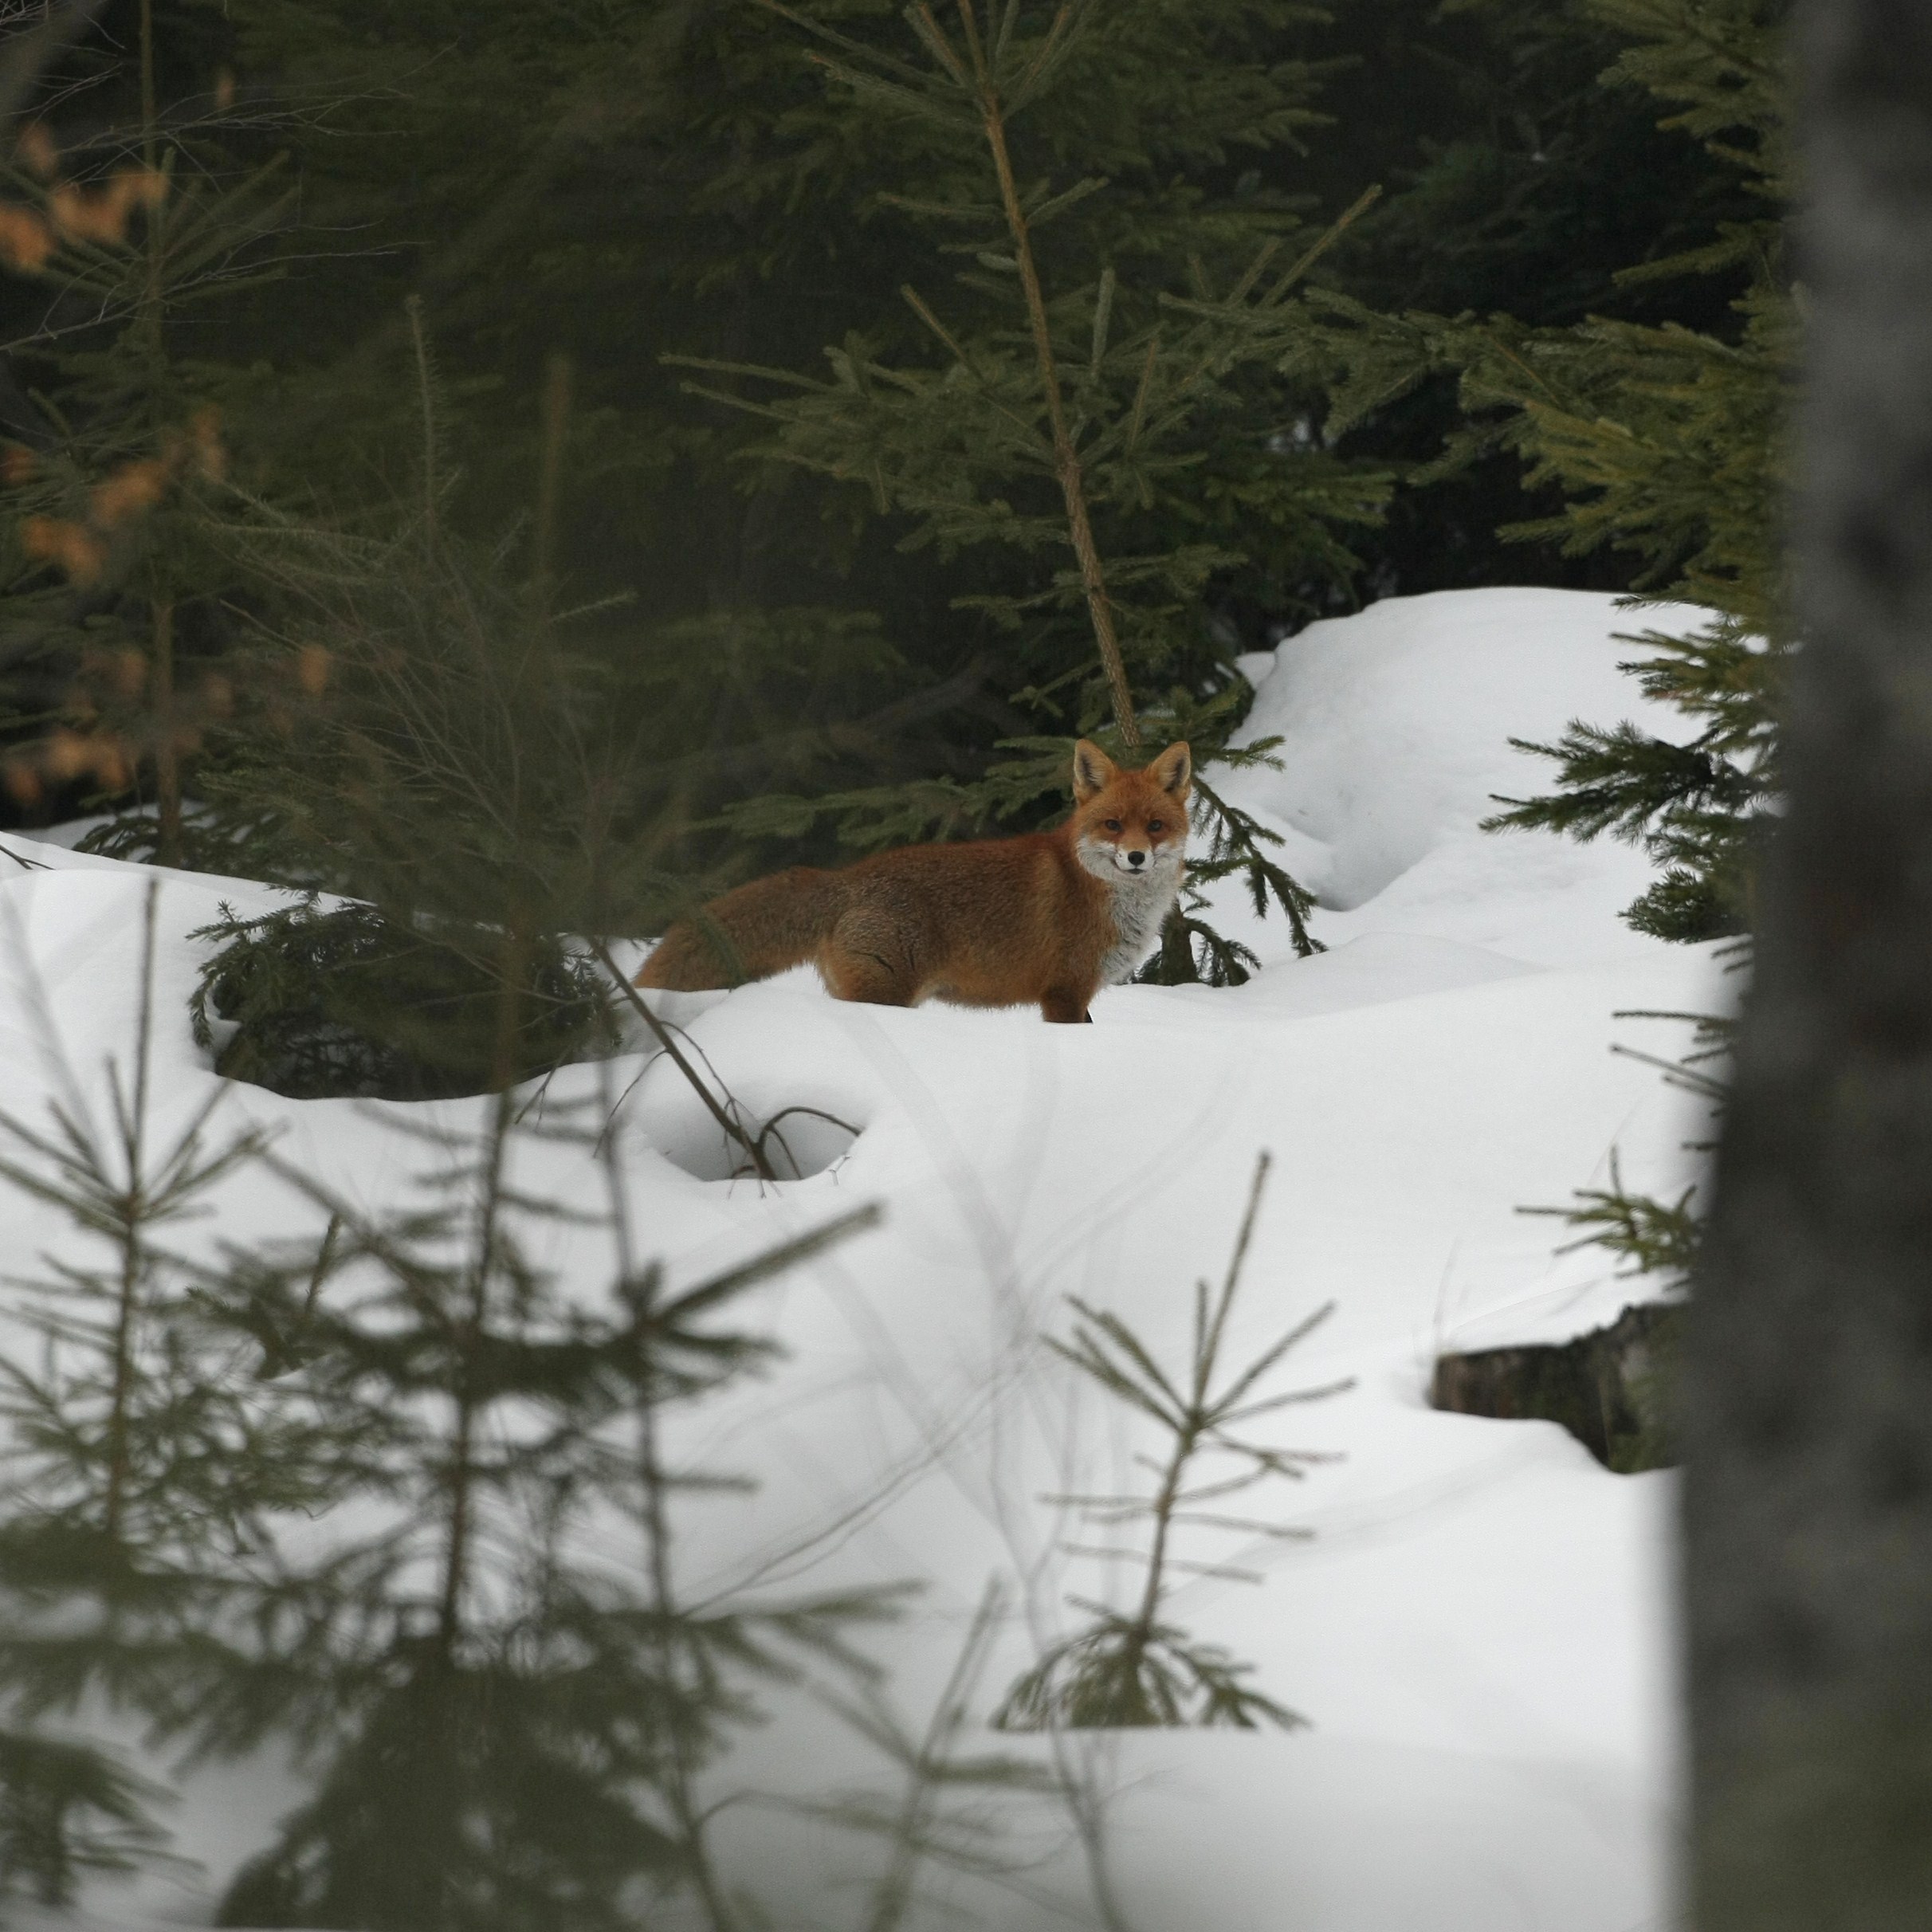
(1066, 1005)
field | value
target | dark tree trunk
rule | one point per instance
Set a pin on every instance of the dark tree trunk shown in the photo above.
(1809, 1408)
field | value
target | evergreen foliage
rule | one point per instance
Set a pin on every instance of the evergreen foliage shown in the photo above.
(460, 765)
(131, 241)
(1618, 1390)
(457, 759)
(613, 183)
(297, 381)
(500, 1718)
(143, 1469)
(1647, 1235)
(943, 1813)
(599, 182)
(67, 1811)
(1668, 444)
(1501, 147)
(1134, 1668)
(1517, 184)
(1084, 437)
(313, 1003)
(386, 1497)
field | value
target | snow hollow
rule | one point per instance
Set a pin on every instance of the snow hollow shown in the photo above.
(1478, 1628)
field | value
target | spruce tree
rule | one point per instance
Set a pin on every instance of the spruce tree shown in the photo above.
(1668, 444)
(226, 330)
(391, 1498)
(616, 187)
(130, 240)
(465, 766)
(1081, 442)
(1517, 183)
(485, 1666)
(602, 184)
(144, 1466)
(1132, 1668)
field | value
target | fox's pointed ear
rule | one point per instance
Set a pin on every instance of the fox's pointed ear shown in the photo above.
(1093, 771)
(1174, 770)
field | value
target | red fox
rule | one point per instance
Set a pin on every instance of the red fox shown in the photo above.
(1047, 918)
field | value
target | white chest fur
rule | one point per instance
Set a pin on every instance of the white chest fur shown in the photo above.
(1141, 903)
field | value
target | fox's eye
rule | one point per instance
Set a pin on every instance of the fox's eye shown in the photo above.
(1113, 825)
(1156, 825)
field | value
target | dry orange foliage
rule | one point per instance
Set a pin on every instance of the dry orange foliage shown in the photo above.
(71, 546)
(37, 152)
(102, 214)
(132, 490)
(312, 669)
(127, 669)
(74, 214)
(107, 757)
(71, 754)
(205, 449)
(25, 240)
(66, 754)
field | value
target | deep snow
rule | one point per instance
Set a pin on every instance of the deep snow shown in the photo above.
(1479, 1629)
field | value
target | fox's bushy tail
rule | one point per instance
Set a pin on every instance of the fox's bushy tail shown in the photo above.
(750, 933)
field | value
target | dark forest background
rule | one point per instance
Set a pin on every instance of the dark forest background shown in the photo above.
(289, 281)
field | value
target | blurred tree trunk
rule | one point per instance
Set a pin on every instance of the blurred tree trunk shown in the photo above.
(1809, 1395)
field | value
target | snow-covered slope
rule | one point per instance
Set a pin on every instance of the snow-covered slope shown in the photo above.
(1478, 1628)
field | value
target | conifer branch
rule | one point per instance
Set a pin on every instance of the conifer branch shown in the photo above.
(1320, 246)
(920, 307)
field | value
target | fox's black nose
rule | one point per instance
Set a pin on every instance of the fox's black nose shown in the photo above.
(1137, 858)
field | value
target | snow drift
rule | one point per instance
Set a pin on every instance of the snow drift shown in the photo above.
(1479, 1628)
